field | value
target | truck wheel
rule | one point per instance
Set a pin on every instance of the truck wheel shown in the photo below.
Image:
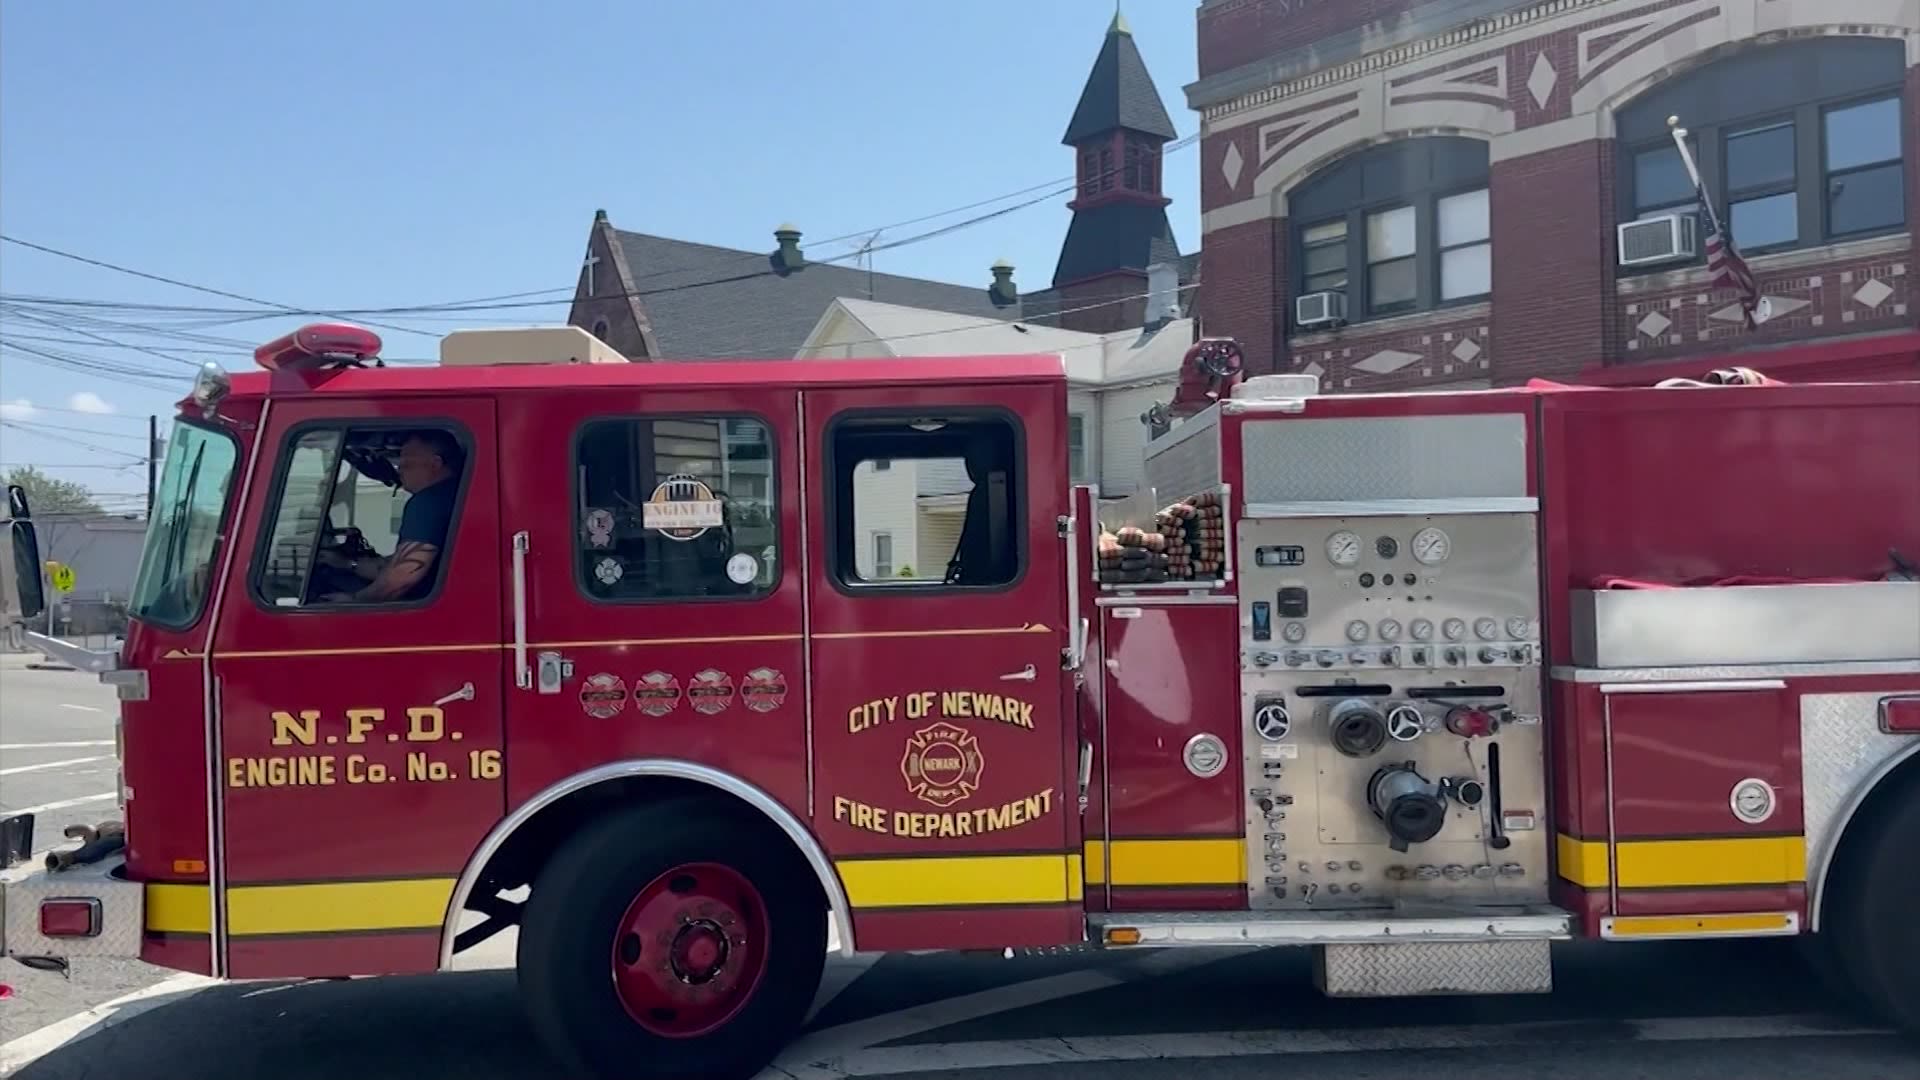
(671, 941)
(1875, 936)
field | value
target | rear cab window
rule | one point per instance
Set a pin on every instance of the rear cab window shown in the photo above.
(926, 502)
(675, 508)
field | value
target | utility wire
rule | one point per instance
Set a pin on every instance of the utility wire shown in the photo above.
(511, 301)
(18, 426)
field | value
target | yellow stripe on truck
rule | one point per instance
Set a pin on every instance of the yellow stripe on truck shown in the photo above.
(328, 907)
(178, 909)
(1168, 862)
(960, 880)
(1708, 862)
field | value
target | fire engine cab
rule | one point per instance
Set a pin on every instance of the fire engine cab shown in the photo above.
(616, 654)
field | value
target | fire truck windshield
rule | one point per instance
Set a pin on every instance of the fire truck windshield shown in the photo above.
(176, 563)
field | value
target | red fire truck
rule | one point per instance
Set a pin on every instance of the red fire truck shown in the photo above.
(1423, 682)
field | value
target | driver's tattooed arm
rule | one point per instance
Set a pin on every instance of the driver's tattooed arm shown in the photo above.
(410, 561)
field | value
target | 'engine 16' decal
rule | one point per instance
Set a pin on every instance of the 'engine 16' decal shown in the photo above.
(364, 727)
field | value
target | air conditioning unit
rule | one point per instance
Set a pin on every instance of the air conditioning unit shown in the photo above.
(1667, 238)
(1320, 309)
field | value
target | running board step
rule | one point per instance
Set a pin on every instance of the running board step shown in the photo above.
(1507, 950)
(1361, 927)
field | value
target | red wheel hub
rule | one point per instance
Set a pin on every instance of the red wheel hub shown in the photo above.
(690, 950)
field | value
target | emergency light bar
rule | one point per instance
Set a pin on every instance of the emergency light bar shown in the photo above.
(317, 346)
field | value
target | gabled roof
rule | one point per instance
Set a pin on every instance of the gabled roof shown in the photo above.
(1119, 92)
(712, 302)
(1118, 358)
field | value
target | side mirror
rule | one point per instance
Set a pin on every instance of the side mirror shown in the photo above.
(26, 554)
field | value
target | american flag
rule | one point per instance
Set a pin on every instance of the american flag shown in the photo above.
(1725, 268)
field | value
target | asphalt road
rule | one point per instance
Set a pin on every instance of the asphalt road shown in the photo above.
(1671, 1011)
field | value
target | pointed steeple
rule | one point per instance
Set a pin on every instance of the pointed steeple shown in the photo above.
(1119, 93)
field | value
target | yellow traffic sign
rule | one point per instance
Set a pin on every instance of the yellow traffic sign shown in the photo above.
(63, 577)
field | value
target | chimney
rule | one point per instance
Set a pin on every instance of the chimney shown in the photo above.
(1163, 294)
(788, 259)
(1003, 292)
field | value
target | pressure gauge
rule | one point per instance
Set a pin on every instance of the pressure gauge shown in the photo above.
(1294, 632)
(1343, 548)
(1486, 628)
(1422, 630)
(1431, 546)
(1357, 630)
(1389, 630)
(1518, 627)
(1454, 629)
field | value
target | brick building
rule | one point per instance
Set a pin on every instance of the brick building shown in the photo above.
(1456, 171)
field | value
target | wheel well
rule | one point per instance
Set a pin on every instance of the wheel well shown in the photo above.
(1900, 783)
(518, 859)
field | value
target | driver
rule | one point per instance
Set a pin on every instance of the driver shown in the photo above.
(429, 469)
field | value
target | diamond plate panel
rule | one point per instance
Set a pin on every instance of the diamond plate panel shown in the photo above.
(1841, 747)
(1434, 968)
(121, 904)
(1359, 459)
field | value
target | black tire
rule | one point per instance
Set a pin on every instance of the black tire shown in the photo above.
(1869, 915)
(574, 914)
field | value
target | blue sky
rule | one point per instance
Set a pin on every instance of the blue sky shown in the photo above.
(360, 154)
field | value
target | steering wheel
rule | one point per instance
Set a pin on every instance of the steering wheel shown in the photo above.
(352, 543)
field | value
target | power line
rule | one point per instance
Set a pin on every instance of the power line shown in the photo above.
(67, 465)
(95, 366)
(511, 301)
(29, 429)
(176, 282)
(80, 430)
(102, 339)
(115, 417)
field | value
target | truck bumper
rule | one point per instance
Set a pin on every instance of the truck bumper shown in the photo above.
(89, 910)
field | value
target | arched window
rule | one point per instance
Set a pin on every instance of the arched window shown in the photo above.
(1798, 144)
(1399, 227)
(600, 329)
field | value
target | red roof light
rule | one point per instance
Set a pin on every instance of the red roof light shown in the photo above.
(319, 345)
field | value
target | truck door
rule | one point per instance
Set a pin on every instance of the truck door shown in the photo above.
(943, 781)
(663, 591)
(358, 674)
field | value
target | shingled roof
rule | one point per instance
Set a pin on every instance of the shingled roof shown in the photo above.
(1119, 92)
(705, 302)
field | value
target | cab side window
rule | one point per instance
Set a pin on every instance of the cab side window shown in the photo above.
(927, 501)
(675, 508)
(361, 516)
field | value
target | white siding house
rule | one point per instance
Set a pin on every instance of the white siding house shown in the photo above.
(1111, 380)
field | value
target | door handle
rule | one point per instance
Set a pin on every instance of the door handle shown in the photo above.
(1025, 674)
(465, 693)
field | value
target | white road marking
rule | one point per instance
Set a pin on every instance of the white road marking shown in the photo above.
(18, 769)
(63, 804)
(33, 1045)
(55, 745)
(808, 1057)
(1072, 1050)
(80, 708)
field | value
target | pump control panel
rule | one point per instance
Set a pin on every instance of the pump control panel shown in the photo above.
(1391, 689)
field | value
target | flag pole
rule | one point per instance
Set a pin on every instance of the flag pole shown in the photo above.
(1713, 216)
